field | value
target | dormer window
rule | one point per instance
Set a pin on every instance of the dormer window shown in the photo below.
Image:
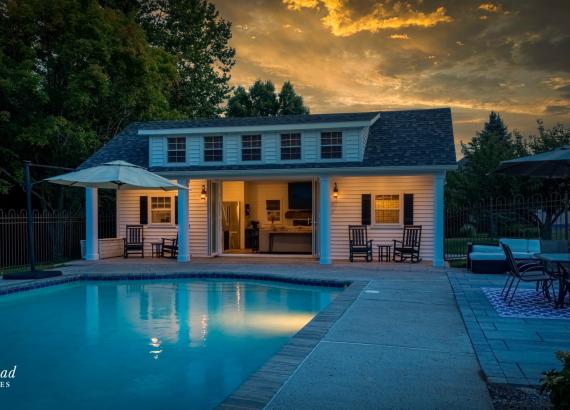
(251, 147)
(214, 149)
(176, 151)
(290, 146)
(331, 145)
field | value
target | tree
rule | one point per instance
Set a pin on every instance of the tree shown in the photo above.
(262, 100)
(290, 102)
(72, 74)
(239, 104)
(193, 32)
(473, 181)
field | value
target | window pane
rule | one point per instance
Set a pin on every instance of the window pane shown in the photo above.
(160, 217)
(176, 149)
(290, 146)
(213, 149)
(251, 147)
(387, 209)
(331, 145)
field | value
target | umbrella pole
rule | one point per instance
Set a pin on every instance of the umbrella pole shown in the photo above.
(31, 241)
(566, 212)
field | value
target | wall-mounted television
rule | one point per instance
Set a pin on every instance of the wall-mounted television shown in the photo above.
(301, 195)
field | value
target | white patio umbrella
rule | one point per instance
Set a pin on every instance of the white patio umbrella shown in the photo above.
(115, 175)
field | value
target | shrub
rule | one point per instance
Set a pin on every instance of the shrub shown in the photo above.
(467, 231)
(557, 383)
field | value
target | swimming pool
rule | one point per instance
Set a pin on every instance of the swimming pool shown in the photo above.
(169, 344)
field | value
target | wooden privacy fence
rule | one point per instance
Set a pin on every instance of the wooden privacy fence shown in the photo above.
(488, 221)
(56, 234)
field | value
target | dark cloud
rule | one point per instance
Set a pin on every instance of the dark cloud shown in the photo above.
(510, 56)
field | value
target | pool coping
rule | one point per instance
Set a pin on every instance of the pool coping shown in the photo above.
(68, 278)
(260, 387)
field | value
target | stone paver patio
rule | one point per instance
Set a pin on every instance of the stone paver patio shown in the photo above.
(510, 350)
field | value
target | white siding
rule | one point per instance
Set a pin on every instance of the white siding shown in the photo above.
(128, 205)
(232, 149)
(351, 145)
(346, 210)
(310, 146)
(270, 147)
(157, 151)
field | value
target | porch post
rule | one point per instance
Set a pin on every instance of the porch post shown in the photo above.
(324, 220)
(91, 224)
(438, 219)
(183, 221)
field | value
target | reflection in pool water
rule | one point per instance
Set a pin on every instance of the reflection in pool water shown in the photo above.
(145, 344)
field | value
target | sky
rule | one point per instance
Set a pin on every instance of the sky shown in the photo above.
(359, 55)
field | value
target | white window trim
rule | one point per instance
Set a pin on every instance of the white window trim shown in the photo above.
(185, 151)
(320, 145)
(203, 150)
(302, 156)
(251, 161)
(172, 212)
(377, 225)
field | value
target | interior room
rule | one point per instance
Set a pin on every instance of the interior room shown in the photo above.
(267, 217)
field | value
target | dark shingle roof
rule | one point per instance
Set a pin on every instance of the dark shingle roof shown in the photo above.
(397, 138)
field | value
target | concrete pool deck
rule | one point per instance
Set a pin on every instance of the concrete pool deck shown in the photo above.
(401, 341)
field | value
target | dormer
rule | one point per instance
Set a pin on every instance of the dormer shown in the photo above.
(225, 141)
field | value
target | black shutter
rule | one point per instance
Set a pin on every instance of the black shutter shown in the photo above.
(408, 209)
(143, 210)
(366, 209)
(176, 210)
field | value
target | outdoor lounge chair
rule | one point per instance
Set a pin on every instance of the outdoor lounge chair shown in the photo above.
(171, 246)
(358, 242)
(525, 272)
(409, 247)
(133, 241)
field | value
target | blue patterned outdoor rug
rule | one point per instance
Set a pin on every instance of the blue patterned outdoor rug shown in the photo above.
(527, 304)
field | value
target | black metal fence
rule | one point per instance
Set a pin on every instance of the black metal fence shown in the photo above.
(488, 221)
(57, 235)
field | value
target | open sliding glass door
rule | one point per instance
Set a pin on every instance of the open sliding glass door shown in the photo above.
(214, 218)
(316, 219)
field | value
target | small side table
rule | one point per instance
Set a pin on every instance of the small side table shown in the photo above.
(156, 249)
(384, 253)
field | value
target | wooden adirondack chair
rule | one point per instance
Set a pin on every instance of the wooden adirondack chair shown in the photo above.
(359, 244)
(133, 241)
(409, 247)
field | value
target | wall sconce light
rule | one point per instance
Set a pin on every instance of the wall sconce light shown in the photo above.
(335, 191)
(203, 193)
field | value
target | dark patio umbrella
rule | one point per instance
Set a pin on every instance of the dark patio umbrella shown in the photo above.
(551, 164)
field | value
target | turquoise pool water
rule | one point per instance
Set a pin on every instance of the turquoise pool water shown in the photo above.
(145, 344)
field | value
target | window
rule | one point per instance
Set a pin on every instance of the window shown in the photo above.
(251, 147)
(387, 209)
(213, 149)
(290, 146)
(331, 145)
(176, 149)
(273, 209)
(160, 210)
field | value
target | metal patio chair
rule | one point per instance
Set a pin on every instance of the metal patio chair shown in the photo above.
(525, 272)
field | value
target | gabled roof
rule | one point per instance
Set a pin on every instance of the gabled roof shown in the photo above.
(411, 138)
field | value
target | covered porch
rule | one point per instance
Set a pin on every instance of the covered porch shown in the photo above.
(195, 216)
